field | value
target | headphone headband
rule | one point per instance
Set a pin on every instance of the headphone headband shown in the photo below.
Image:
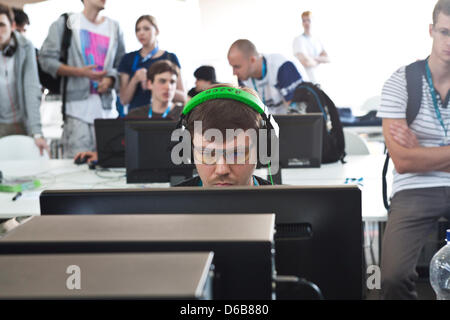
(226, 93)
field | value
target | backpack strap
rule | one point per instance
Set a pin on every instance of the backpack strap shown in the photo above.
(337, 128)
(414, 73)
(312, 89)
(64, 55)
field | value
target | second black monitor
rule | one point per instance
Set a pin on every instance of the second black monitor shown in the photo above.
(300, 140)
(148, 156)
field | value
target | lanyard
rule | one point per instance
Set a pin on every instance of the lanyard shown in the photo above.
(264, 71)
(434, 98)
(150, 112)
(147, 57)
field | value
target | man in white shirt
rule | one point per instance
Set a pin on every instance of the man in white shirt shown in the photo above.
(421, 156)
(309, 49)
(272, 76)
(93, 57)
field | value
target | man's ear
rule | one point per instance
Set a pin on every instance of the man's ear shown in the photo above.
(13, 26)
(431, 30)
(149, 84)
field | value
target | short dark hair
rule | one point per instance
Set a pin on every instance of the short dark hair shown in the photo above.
(161, 67)
(222, 114)
(207, 73)
(5, 9)
(441, 6)
(20, 17)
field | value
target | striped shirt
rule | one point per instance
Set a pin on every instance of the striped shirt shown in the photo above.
(426, 127)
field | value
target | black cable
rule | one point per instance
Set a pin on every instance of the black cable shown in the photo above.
(300, 281)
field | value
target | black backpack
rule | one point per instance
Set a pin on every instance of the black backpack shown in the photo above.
(47, 81)
(413, 73)
(316, 100)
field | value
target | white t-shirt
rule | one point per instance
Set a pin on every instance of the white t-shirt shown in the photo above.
(8, 94)
(425, 126)
(309, 46)
(279, 83)
(94, 41)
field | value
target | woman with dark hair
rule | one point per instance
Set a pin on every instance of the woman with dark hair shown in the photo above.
(134, 65)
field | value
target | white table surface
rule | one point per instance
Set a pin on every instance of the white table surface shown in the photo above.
(368, 167)
(57, 174)
(64, 174)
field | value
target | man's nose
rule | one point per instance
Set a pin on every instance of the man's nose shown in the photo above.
(222, 168)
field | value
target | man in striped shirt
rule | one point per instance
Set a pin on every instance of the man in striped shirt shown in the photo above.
(421, 155)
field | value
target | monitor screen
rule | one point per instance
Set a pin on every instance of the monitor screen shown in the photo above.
(110, 137)
(318, 229)
(300, 140)
(148, 153)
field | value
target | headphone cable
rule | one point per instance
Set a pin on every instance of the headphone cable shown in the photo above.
(270, 174)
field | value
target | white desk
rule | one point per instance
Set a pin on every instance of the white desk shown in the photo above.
(57, 174)
(368, 167)
(64, 174)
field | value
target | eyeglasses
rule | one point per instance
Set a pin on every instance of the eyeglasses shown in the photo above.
(211, 156)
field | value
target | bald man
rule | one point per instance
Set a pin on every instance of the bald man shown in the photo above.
(272, 75)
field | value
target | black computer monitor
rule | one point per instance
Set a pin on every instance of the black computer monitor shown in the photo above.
(148, 153)
(300, 140)
(110, 137)
(319, 229)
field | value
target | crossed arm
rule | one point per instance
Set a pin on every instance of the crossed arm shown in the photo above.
(308, 61)
(406, 152)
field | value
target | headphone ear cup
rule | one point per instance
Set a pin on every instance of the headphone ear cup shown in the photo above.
(9, 51)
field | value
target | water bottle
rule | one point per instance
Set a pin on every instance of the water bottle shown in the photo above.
(440, 271)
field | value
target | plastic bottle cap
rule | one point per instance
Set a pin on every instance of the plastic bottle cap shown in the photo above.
(448, 235)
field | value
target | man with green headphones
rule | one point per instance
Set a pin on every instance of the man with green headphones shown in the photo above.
(240, 116)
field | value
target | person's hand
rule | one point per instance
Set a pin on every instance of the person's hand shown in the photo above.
(403, 135)
(89, 72)
(89, 155)
(41, 143)
(141, 76)
(105, 84)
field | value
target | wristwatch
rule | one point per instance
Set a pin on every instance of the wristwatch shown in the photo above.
(38, 136)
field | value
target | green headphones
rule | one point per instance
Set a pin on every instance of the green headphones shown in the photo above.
(233, 94)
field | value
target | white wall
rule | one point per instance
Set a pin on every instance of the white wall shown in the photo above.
(178, 22)
(367, 40)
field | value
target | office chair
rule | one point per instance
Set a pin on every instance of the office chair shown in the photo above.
(354, 144)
